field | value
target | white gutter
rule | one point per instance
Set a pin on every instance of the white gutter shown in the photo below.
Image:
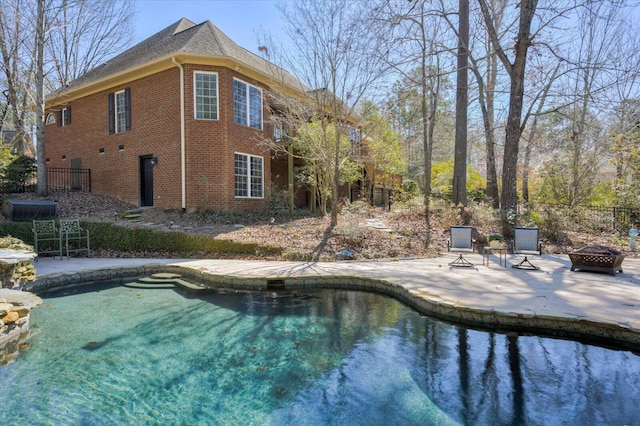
(183, 157)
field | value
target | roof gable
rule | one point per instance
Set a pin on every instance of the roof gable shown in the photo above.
(203, 40)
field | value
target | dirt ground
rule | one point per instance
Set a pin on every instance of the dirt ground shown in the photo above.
(362, 232)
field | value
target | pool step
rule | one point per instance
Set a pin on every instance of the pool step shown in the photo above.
(152, 285)
(165, 280)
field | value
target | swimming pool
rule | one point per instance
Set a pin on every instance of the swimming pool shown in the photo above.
(120, 355)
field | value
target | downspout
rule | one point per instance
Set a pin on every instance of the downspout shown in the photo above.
(183, 156)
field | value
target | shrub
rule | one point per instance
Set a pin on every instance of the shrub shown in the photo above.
(408, 191)
(18, 174)
(108, 236)
(298, 256)
(20, 230)
(349, 236)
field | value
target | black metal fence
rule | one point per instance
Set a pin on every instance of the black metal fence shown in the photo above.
(597, 218)
(63, 179)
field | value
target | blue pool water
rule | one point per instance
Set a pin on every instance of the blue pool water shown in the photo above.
(124, 356)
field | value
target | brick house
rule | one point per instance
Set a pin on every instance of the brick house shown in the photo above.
(176, 122)
(173, 122)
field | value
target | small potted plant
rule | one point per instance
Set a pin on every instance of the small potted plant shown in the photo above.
(495, 240)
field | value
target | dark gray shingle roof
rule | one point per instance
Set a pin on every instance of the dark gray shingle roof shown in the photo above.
(183, 36)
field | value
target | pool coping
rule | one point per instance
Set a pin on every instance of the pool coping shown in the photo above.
(592, 329)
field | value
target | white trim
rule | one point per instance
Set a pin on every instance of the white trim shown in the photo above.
(63, 116)
(183, 156)
(195, 95)
(50, 119)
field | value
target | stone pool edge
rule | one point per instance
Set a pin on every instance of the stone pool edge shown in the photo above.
(589, 330)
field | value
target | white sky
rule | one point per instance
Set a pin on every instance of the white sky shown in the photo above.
(239, 19)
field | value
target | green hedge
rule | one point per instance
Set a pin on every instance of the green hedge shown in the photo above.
(20, 230)
(108, 236)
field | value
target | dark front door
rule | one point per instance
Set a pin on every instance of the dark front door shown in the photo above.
(146, 181)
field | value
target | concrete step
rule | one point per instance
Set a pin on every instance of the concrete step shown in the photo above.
(169, 279)
(133, 215)
(188, 285)
(149, 285)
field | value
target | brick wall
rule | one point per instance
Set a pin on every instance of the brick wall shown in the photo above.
(114, 159)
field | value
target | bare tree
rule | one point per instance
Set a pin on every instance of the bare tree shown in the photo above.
(84, 33)
(41, 185)
(599, 79)
(77, 35)
(329, 55)
(81, 35)
(487, 96)
(18, 60)
(550, 77)
(516, 71)
(412, 48)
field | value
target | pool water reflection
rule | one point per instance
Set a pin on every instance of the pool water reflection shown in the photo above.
(119, 355)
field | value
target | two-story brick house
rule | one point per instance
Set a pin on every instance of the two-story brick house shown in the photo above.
(174, 122)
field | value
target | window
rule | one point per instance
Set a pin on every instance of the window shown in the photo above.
(356, 141)
(64, 116)
(247, 104)
(249, 179)
(51, 118)
(278, 134)
(354, 135)
(120, 111)
(121, 118)
(206, 95)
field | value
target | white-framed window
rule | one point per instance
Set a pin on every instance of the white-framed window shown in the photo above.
(249, 177)
(63, 116)
(51, 119)
(121, 116)
(279, 133)
(247, 104)
(205, 95)
(120, 111)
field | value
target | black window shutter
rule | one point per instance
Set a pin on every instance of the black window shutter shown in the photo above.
(112, 114)
(67, 118)
(127, 108)
(59, 118)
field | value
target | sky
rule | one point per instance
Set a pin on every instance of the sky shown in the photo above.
(239, 19)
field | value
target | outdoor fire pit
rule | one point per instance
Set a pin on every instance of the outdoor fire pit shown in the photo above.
(597, 259)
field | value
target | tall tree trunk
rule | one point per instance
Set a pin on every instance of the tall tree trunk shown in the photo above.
(41, 186)
(491, 192)
(462, 96)
(429, 106)
(427, 148)
(514, 119)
